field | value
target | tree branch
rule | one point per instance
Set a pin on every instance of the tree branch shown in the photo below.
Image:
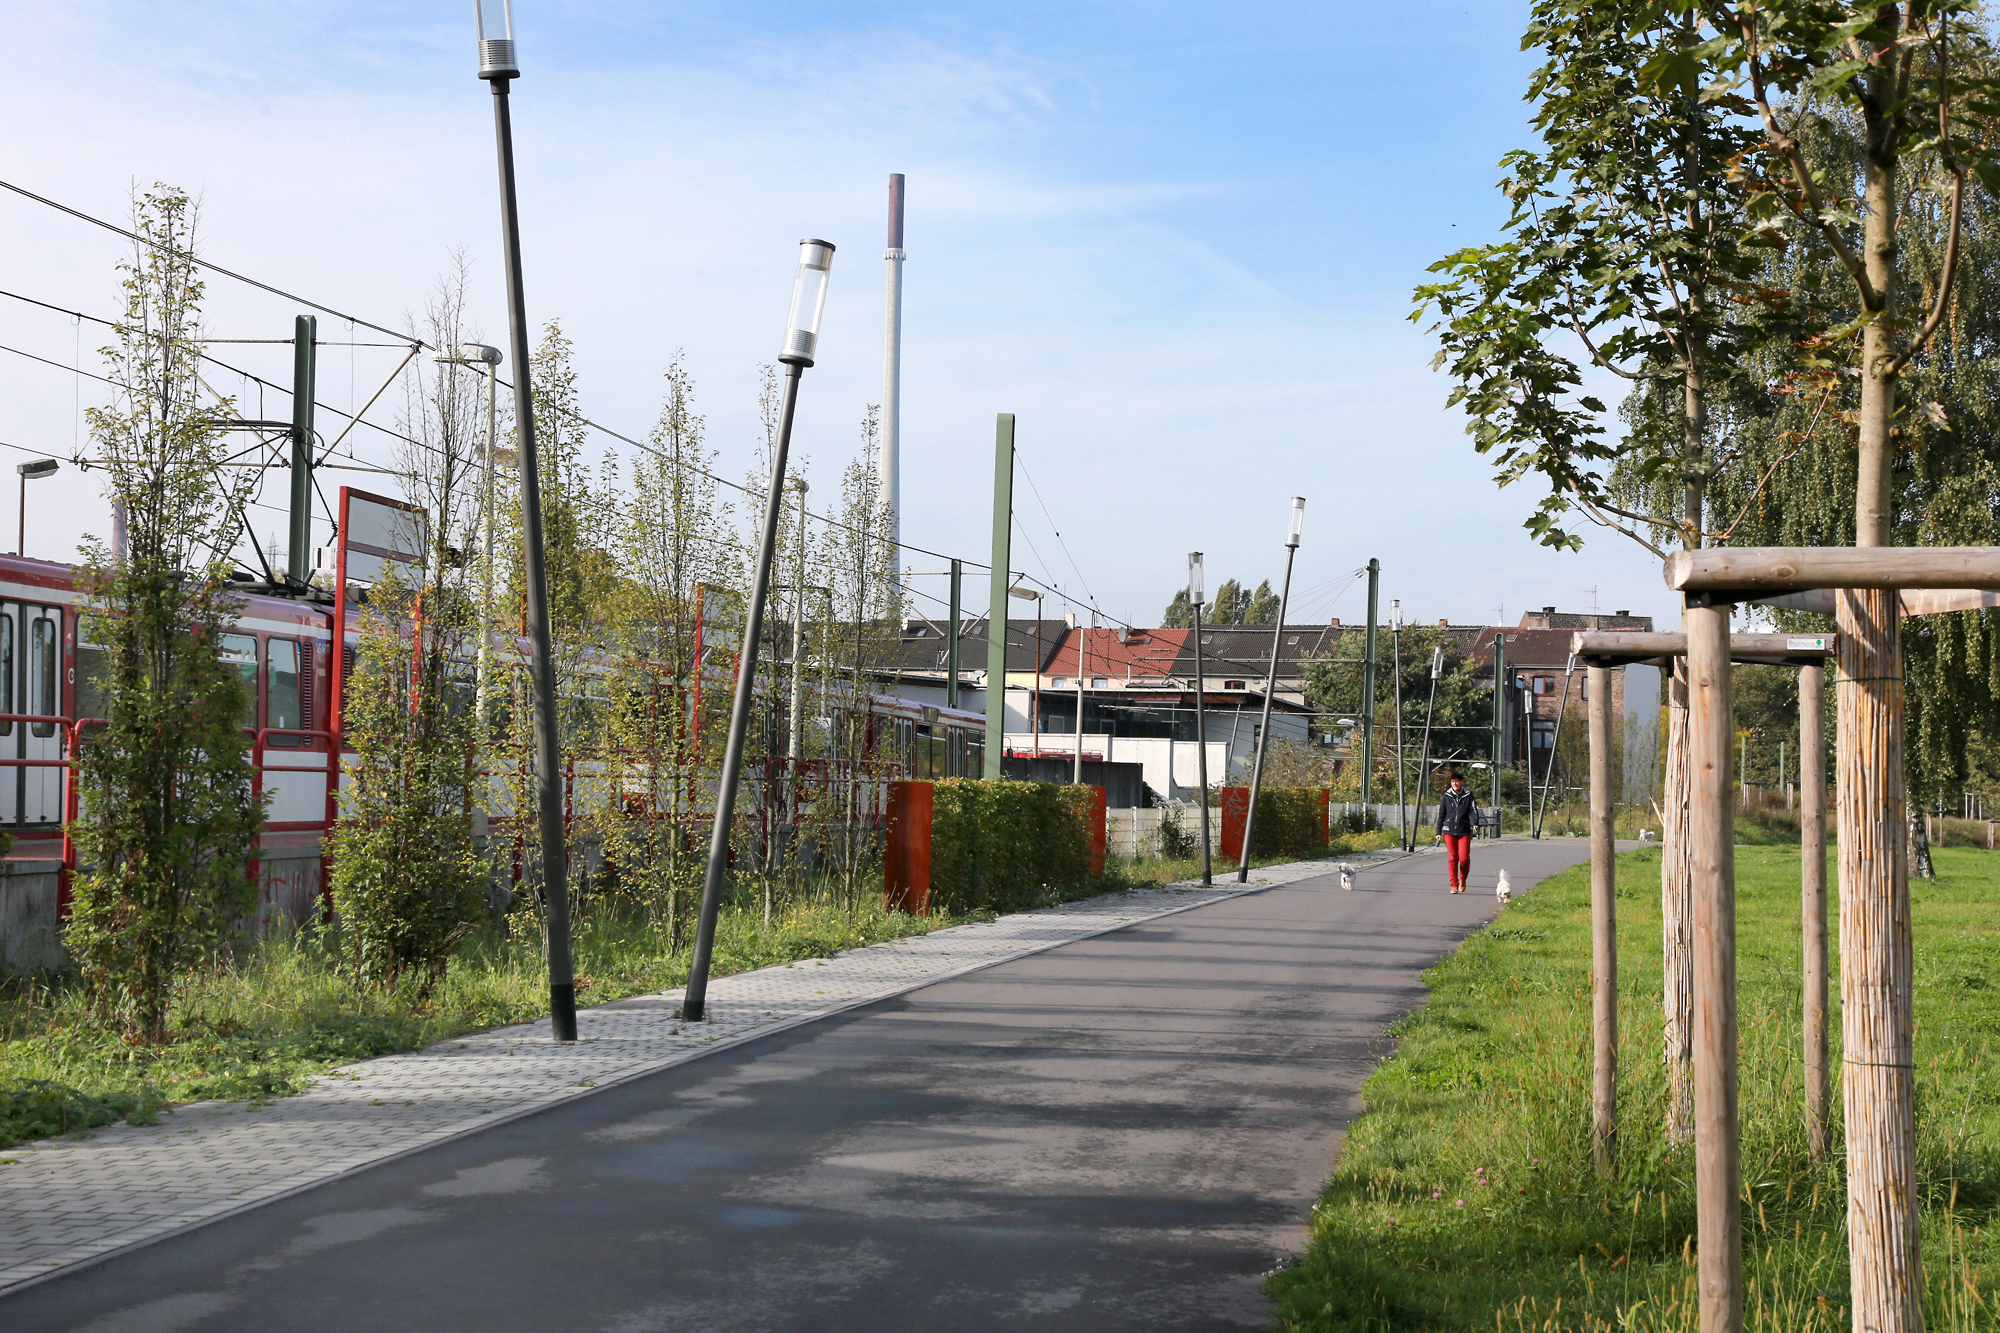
(1795, 155)
(1957, 169)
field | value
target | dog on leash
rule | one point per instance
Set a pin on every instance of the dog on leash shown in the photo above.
(1347, 878)
(1504, 891)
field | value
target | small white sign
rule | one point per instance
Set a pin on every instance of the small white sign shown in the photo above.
(1815, 644)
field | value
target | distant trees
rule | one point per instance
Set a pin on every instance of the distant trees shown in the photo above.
(1230, 605)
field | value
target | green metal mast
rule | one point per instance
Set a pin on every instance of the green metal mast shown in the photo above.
(305, 355)
(996, 615)
(951, 648)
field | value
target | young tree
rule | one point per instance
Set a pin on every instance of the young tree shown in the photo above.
(168, 824)
(676, 541)
(1914, 73)
(1626, 242)
(408, 882)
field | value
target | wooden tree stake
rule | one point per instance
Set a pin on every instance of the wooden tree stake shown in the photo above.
(1878, 1079)
(1603, 929)
(1711, 836)
(1812, 897)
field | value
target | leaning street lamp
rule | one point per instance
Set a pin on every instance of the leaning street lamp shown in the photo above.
(495, 20)
(801, 342)
(1295, 526)
(1200, 724)
(33, 470)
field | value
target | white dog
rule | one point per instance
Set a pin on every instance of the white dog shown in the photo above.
(1504, 891)
(1347, 878)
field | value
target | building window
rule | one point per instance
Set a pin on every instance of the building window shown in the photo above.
(1098, 682)
(1544, 736)
(1232, 684)
(1059, 683)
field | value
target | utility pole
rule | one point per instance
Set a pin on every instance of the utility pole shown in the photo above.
(996, 602)
(1368, 693)
(951, 649)
(305, 358)
(1082, 641)
(889, 471)
(1424, 751)
(1195, 584)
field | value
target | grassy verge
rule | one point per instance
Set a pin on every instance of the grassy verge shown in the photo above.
(1464, 1198)
(261, 1027)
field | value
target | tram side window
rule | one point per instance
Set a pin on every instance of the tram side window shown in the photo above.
(93, 672)
(42, 673)
(281, 691)
(240, 650)
(6, 671)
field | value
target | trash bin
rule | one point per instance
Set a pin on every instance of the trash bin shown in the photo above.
(1488, 823)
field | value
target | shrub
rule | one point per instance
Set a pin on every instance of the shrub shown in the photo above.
(1005, 846)
(1289, 821)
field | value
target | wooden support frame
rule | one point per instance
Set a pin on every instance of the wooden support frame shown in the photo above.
(1729, 574)
(1808, 653)
(1717, 1140)
(1812, 899)
(1603, 928)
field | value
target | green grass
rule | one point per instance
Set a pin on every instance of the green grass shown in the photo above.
(1486, 1101)
(261, 1027)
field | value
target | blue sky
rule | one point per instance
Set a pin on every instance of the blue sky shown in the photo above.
(1178, 241)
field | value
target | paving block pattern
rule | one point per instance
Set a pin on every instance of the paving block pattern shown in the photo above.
(69, 1201)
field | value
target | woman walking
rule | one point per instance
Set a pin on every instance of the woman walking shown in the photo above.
(1456, 813)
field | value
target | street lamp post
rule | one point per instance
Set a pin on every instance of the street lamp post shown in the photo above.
(1035, 697)
(497, 67)
(1424, 751)
(1297, 524)
(1403, 831)
(1200, 720)
(488, 360)
(33, 470)
(801, 341)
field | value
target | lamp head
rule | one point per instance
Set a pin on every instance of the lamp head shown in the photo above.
(495, 21)
(38, 468)
(1298, 521)
(798, 484)
(468, 354)
(808, 302)
(1025, 594)
(1194, 577)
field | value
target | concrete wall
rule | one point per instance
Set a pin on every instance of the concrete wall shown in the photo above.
(29, 938)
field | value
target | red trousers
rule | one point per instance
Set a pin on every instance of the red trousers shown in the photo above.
(1458, 858)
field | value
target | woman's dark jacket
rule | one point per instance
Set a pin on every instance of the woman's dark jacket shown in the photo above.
(1457, 811)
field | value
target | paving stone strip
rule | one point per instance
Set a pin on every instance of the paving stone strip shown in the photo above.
(70, 1201)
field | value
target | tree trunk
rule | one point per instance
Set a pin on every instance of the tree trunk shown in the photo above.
(1876, 950)
(1676, 859)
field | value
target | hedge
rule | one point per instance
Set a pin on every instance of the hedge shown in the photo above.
(1006, 846)
(1290, 820)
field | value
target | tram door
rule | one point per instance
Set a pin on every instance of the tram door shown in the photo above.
(31, 682)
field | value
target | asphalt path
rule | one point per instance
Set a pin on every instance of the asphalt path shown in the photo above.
(1126, 1132)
